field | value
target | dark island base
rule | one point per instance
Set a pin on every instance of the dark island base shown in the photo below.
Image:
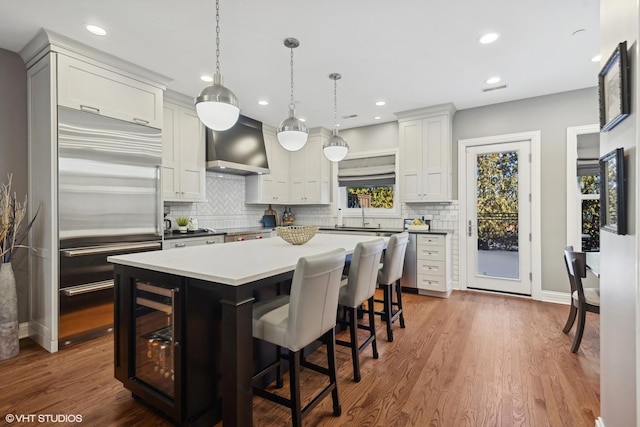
(192, 394)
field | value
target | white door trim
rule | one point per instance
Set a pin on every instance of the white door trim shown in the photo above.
(573, 213)
(536, 256)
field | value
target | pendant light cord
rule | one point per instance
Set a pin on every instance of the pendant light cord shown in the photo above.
(292, 105)
(335, 104)
(218, 37)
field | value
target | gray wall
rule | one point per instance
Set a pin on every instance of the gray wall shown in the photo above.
(619, 264)
(13, 152)
(371, 138)
(551, 114)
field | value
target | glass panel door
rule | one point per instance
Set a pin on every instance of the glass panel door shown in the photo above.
(498, 217)
(154, 336)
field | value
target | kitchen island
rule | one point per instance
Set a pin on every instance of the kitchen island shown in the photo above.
(183, 332)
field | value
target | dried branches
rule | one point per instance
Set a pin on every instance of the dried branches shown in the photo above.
(12, 213)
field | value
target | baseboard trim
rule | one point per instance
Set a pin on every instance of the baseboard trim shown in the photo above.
(599, 422)
(555, 297)
(23, 330)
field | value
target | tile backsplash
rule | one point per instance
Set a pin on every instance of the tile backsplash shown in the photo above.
(225, 208)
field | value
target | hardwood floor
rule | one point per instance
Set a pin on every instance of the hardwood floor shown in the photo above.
(474, 359)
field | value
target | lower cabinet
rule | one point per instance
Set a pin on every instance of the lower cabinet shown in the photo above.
(167, 344)
(192, 241)
(433, 265)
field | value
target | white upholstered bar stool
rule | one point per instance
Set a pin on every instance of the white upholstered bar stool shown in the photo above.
(358, 288)
(294, 321)
(389, 280)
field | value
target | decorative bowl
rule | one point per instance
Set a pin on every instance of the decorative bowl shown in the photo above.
(297, 234)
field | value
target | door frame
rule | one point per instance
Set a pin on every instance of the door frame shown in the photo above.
(533, 137)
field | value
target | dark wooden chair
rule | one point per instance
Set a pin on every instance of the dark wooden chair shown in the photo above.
(582, 300)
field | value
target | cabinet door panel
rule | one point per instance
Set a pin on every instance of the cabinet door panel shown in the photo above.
(411, 160)
(170, 155)
(85, 86)
(192, 156)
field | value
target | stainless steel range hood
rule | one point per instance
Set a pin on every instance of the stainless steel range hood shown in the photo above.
(239, 150)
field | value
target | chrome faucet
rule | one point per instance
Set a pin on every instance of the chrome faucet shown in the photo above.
(364, 224)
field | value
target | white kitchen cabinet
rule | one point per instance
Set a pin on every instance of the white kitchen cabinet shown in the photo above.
(274, 186)
(310, 170)
(183, 154)
(433, 264)
(192, 241)
(85, 86)
(425, 154)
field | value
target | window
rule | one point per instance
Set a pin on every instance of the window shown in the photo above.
(368, 181)
(589, 206)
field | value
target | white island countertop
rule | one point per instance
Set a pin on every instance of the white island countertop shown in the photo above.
(238, 263)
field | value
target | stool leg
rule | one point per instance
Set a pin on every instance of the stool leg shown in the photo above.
(399, 294)
(388, 308)
(353, 331)
(372, 328)
(330, 340)
(294, 382)
(279, 382)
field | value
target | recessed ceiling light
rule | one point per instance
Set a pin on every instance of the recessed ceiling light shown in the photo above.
(263, 102)
(302, 119)
(223, 167)
(377, 118)
(206, 78)
(94, 29)
(489, 38)
(596, 58)
(380, 103)
(493, 80)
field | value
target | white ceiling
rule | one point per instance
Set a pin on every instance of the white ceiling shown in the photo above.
(409, 53)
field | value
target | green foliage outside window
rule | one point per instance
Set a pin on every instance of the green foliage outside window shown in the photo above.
(497, 201)
(590, 184)
(381, 197)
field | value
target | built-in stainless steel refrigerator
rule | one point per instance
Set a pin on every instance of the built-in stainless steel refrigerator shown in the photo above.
(109, 202)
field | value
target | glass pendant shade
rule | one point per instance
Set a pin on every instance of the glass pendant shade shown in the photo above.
(336, 148)
(292, 133)
(217, 106)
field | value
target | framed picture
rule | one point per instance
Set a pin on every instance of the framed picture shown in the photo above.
(613, 216)
(613, 85)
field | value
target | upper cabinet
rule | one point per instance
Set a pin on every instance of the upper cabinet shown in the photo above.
(85, 86)
(309, 172)
(274, 186)
(298, 178)
(425, 154)
(183, 153)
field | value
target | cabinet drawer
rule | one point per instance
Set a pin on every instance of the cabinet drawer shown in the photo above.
(84, 86)
(431, 240)
(432, 283)
(432, 253)
(192, 241)
(433, 268)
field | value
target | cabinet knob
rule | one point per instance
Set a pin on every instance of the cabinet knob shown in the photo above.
(180, 245)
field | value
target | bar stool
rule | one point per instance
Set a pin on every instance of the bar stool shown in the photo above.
(389, 280)
(294, 321)
(357, 288)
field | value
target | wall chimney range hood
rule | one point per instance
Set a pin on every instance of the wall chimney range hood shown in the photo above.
(239, 150)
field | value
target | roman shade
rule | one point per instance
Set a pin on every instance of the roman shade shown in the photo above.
(367, 171)
(588, 167)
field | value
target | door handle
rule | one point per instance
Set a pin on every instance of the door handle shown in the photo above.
(470, 229)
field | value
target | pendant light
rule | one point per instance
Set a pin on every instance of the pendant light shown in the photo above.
(292, 133)
(336, 148)
(217, 106)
